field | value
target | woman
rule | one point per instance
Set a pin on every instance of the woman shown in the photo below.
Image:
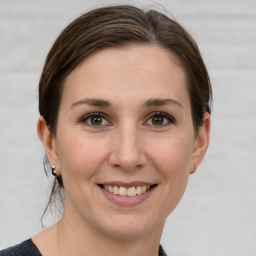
(125, 118)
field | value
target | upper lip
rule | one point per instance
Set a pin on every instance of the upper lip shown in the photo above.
(127, 184)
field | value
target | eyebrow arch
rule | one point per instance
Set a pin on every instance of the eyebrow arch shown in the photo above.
(161, 102)
(92, 102)
(104, 103)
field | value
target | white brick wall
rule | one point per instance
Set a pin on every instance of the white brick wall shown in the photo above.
(217, 215)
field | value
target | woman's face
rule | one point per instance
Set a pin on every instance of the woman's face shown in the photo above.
(125, 126)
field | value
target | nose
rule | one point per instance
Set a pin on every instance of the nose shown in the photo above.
(127, 150)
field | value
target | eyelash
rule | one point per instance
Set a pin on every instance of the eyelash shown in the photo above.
(169, 119)
(86, 118)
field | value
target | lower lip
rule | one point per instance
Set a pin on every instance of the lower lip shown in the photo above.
(128, 200)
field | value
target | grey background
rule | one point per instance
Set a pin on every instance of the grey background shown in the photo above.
(217, 215)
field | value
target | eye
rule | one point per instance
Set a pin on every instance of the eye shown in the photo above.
(95, 119)
(160, 119)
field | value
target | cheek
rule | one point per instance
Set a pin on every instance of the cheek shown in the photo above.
(173, 155)
(79, 157)
(173, 159)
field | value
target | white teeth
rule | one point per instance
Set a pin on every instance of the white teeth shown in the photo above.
(139, 190)
(123, 191)
(115, 190)
(132, 191)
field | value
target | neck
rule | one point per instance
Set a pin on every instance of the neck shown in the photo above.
(77, 237)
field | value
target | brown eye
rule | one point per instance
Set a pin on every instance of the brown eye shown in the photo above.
(157, 120)
(160, 119)
(96, 120)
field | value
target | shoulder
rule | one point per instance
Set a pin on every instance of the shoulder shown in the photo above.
(26, 248)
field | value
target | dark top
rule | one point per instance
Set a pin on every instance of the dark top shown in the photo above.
(28, 248)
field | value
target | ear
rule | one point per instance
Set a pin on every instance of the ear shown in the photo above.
(49, 142)
(201, 142)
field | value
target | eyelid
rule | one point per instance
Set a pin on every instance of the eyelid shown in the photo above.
(171, 119)
(92, 114)
(162, 114)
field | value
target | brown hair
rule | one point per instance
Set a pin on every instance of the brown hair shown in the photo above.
(116, 26)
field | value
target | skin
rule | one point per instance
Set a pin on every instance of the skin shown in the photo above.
(127, 146)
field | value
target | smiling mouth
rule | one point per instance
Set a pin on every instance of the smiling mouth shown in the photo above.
(127, 191)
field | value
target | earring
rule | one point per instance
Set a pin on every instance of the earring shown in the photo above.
(53, 170)
(194, 169)
(59, 178)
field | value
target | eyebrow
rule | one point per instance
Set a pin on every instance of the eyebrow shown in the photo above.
(104, 103)
(92, 102)
(161, 102)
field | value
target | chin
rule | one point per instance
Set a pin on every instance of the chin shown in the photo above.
(129, 226)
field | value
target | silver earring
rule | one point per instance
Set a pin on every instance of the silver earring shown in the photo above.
(53, 170)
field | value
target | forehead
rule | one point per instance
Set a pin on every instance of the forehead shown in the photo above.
(124, 72)
(140, 58)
